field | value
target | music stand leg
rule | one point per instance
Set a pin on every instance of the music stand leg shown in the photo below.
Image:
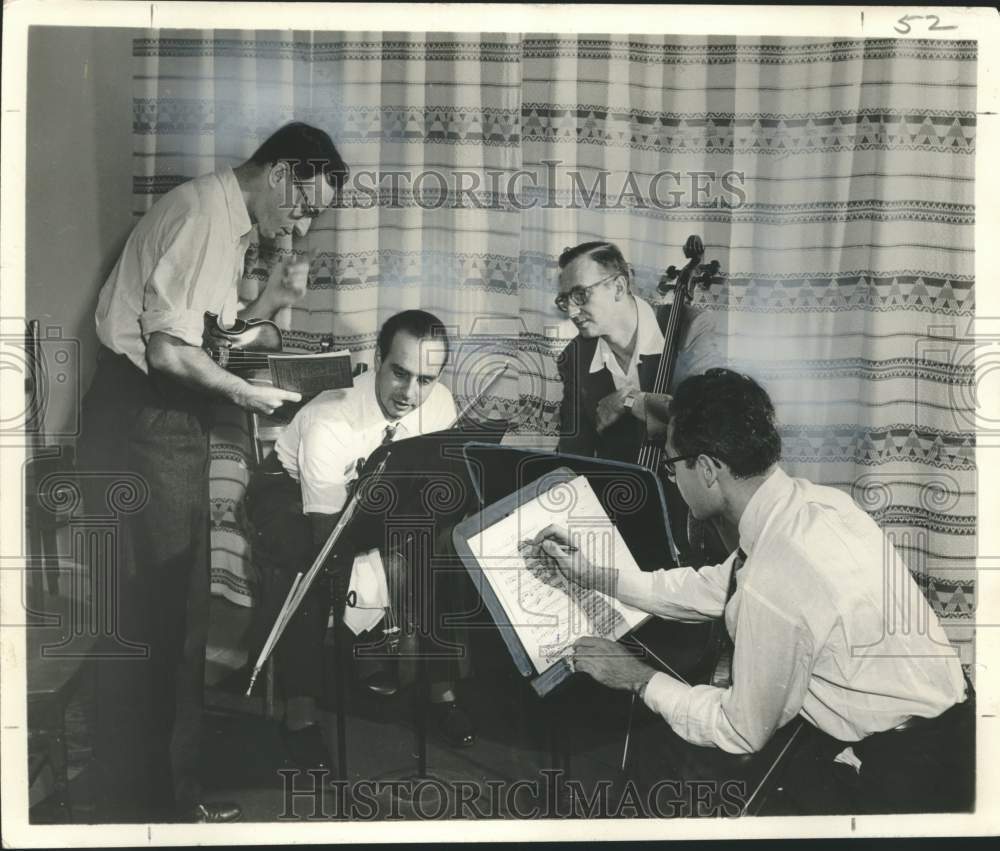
(421, 696)
(340, 660)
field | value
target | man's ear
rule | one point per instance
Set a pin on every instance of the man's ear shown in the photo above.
(276, 172)
(708, 469)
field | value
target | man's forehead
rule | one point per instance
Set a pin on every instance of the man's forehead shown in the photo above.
(425, 355)
(579, 271)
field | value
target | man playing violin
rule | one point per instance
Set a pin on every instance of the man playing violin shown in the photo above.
(814, 619)
(146, 420)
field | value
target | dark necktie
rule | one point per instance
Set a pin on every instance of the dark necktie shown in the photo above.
(722, 674)
(387, 436)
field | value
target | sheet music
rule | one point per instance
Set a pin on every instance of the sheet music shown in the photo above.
(547, 612)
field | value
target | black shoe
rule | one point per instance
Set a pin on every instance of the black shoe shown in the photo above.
(217, 812)
(453, 724)
(306, 748)
(383, 683)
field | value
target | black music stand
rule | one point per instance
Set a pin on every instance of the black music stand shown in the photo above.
(634, 500)
(425, 489)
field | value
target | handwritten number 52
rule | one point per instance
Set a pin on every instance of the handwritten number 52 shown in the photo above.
(934, 25)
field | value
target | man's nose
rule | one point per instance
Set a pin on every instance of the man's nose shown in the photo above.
(412, 388)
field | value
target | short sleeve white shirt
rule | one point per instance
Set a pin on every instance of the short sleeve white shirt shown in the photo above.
(327, 441)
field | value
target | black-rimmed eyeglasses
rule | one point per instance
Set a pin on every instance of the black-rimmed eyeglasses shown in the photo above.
(580, 295)
(668, 464)
(307, 210)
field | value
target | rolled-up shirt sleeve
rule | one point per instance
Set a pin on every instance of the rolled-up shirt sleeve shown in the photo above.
(763, 697)
(184, 283)
(681, 593)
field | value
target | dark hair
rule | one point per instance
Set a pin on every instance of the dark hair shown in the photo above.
(607, 255)
(420, 324)
(306, 149)
(727, 416)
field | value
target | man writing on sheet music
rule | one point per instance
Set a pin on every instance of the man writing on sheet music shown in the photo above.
(320, 454)
(808, 606)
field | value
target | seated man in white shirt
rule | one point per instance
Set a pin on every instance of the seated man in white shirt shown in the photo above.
(321, 452)
(806, 600)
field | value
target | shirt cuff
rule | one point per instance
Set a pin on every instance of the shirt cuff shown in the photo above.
(187, 325)
(663, 693)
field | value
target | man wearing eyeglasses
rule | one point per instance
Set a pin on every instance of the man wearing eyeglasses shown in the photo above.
(146, 418)
(609, 368)
(813, 601)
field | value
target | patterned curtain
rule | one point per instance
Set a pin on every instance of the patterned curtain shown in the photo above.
(833, 180)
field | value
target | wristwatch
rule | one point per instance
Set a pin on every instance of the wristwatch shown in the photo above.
(629, 402)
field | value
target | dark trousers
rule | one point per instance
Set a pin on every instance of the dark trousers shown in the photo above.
(927, 769)
(930, 768)
(283, 545)
(144, 458)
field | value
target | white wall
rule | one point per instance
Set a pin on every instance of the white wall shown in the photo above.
(79, 186)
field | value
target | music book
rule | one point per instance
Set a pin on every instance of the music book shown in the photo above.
(311, 374)
(538, 612)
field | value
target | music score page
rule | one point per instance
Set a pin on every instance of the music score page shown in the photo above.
(547, 612)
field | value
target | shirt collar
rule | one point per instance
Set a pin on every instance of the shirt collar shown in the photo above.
(775, 488)
(239, 217)
(649, 339)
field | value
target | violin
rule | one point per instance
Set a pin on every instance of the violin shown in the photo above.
(683, 282)
(242, 348)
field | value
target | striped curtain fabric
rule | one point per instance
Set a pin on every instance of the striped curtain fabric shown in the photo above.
(833, 181)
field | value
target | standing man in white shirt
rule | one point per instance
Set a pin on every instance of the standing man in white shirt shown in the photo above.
(320, 453)
(810, 609)
(146, 419)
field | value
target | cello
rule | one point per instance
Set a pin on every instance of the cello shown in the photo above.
(683, 281)
(707, 543)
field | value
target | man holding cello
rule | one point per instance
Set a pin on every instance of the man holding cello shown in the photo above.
(146, 420)
(610, 370)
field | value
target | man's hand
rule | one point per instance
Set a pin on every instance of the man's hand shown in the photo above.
(263, 398)
(610, 664)
(288, 283)
(554, 546)
(611, 407)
